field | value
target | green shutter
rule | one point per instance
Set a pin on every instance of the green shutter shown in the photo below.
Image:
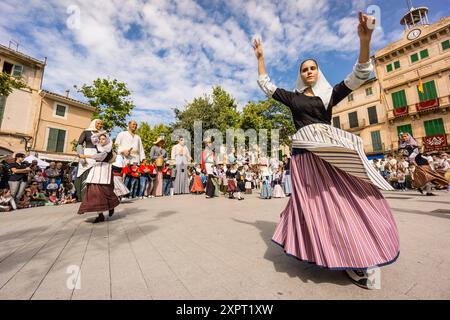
(405, 128)
(414, 57)
(52, 140)
(2, 108)
(61, 140)
(429, 93)
(376, 141)
(446, 45)
(389, 67)
(373, 118)
(433, 127)
(399, 99)
(424, 54)
(60, 110)
(337, 122)
(17, 71)
(353, 119)
(397, 64)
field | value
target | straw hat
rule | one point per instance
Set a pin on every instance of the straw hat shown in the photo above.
(160, 139)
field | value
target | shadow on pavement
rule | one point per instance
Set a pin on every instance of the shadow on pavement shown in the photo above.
(294, 268)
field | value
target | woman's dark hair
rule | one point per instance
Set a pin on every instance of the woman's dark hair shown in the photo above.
(301, 65)
(103, 135)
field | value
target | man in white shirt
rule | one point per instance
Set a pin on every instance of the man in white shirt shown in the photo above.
(130, 144)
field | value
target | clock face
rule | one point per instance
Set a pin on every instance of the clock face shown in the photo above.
(414, 34)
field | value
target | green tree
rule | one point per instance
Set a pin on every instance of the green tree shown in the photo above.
(8, 83)
(111, 99)
(149, 135)
(216, 111)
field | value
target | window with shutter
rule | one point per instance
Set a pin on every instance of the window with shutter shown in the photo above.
(389, 68)
(433, 127)
(397, 65)
(405, 128)
(376, 141)
(414, 57)
(429, 91)
(60, 110)
(56, 140)
(337, 122)
(61, 140)
(446, 45)
(17, 71)
(399, 99)
(52, 140)
(373, 117)
(2, 108)
(353, 119)
(424, 54)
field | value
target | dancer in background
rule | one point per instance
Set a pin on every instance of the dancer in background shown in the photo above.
(336, 217)
(86, 147)
(423, 176)
(159, 155)
(181, 156)
(99, 196)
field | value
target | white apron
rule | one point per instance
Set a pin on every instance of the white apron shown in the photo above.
(340, 148)
(86, 165)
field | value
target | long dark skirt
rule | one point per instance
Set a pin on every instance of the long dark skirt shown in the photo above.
(99, 198)
(210, 187)
(80, 186)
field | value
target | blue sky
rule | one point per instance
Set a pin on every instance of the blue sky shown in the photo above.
(169, 52)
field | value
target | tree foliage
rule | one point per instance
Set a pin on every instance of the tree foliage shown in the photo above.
(150, 134)
(111, 100)
(8, 83)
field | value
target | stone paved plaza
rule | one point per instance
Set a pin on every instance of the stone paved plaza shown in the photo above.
(189, 247)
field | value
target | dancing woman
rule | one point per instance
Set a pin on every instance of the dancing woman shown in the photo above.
(86, 147)
(423, 176)
(336, 217)
(99, 195)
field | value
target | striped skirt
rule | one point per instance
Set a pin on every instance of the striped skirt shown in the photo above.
(334, 219)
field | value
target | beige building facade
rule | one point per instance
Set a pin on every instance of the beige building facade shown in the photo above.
(36, 121)
(410, 91)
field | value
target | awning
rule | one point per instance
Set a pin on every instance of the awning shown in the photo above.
(42, 164)
(376, 156)
(57, 157)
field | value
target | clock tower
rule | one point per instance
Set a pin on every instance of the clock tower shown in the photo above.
(415, 20)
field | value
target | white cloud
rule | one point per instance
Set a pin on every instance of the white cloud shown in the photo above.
(177, 50)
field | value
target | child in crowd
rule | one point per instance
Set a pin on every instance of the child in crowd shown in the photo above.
(7, 202)
(401, 179)
(52, 186)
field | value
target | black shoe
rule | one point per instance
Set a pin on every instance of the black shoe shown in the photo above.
(420, 190)
(111, 212)
(431, 194)
(100, 218)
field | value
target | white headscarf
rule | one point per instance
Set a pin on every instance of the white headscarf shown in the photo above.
(321, 88)
(92, 125)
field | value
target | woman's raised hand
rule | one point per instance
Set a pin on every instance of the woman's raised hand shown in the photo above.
(257, 46)
(366, 26)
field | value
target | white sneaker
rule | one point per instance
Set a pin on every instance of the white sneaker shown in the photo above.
(369, 279)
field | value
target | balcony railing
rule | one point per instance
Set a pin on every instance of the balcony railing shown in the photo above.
(401, 112)
(435, 142)
(427, 105)
(421, 107)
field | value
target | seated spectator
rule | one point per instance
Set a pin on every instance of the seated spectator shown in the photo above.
(52, 186)
(53, 198)
(39, 179)
(7, 202)
(25, 202)
(52, 172)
